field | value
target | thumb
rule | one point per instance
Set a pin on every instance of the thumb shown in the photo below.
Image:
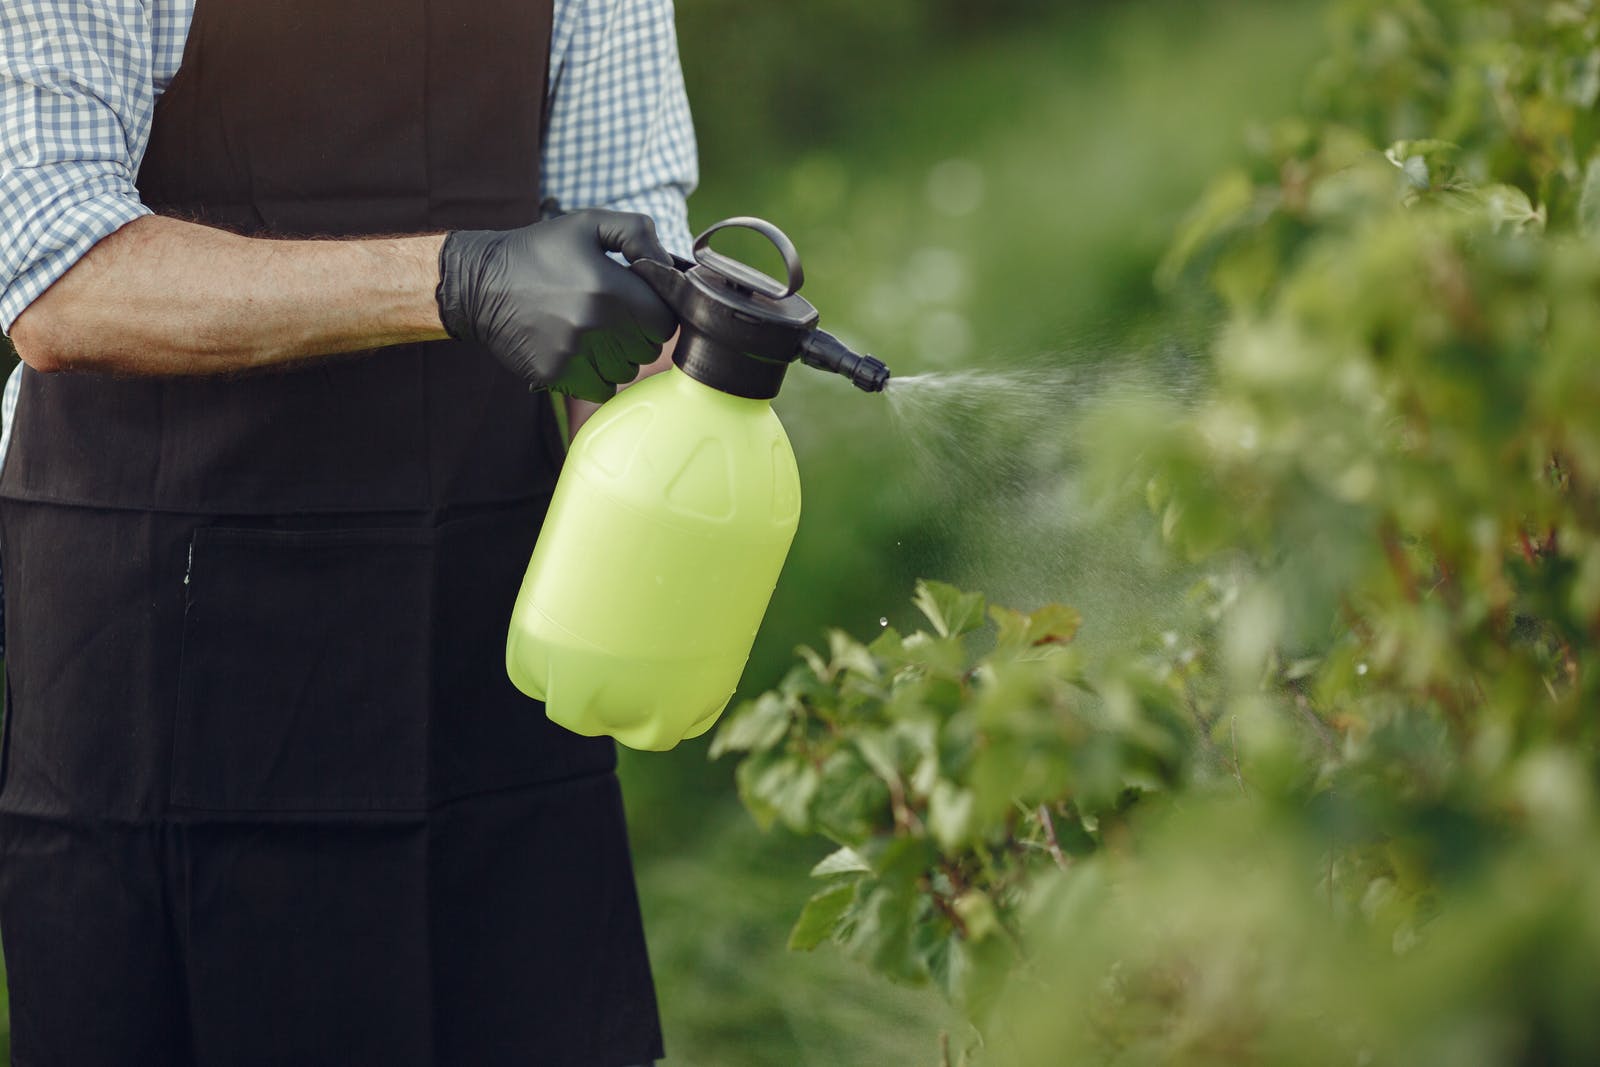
(650, 314)
(631, 234)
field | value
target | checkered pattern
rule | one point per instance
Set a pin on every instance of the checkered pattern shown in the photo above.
(79, 80)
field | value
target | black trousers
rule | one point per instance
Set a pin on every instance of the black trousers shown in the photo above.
(267, 798)
(385, 943)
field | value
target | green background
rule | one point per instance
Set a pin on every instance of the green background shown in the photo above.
(971, 189)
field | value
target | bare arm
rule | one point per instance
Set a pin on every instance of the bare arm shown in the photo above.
(162, 297)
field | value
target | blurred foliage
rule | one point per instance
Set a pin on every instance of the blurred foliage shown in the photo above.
(996, 201)
(1342, 806)
(768, 78)
(993, 202)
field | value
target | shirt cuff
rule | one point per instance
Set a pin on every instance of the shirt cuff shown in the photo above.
(73, 227)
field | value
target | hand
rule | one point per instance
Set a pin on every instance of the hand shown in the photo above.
(552, 306)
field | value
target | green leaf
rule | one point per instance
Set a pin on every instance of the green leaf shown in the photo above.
(951, 611)
(1589, 200)
(820, 917)
(1053, 624)
(1583, 88)
(848, 654)
(878, 749)
(851, 801)
(945, 957)
(778, 787)
(845, 860)
(1301, 668)
(1072, 838)
(889, 646)
(1415, 168)
(883, 924)
(950, 811)
(1223, 206)
(1246, 271)
(901, 862)
(819, 666)
(978, 913)
(935, 655)
(756, 725)
(925, 778)
(1509, 206)
(1426, 164)
(1012, 626)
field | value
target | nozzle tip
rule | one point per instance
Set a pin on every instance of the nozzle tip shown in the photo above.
(871, 375)
(825, 352)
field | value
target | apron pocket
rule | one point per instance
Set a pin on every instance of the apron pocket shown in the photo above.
(487, 735)
(304, 683)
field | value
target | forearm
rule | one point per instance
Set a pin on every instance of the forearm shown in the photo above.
(165, 297)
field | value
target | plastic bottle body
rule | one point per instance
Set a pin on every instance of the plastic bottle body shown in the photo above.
(669, 526)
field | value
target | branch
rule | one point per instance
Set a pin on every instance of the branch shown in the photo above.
(1050, 843)
(1323, 731)
(905, 817)
(1398, 564)
(939, 901)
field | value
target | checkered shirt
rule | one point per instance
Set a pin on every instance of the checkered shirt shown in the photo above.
(79, 81)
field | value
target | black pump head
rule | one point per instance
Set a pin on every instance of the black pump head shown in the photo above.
(740, 328)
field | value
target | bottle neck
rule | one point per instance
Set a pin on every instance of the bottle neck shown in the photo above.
(727, 370)
(705, 395)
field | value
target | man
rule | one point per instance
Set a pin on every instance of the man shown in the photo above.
(267, 795)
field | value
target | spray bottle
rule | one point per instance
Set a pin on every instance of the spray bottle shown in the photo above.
(675, 510)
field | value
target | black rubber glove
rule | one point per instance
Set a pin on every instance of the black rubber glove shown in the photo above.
(552, 306)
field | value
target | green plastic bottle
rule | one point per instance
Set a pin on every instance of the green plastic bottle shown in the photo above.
(671, 521)
(674, 513)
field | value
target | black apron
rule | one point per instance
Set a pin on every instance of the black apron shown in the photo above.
(267, 796)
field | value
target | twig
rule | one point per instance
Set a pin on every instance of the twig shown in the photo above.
(1330, 872)
(1450, 703)
(1205, 726)
(1398, 564)
(1529, 553)
(946, 909)
(905, 817)
(1050, 842)
(1238, 772)
(1324, 733)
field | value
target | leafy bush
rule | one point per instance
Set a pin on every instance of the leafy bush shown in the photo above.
(949, 782)
(1344, 809)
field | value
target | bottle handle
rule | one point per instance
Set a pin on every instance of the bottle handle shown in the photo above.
(747, 277)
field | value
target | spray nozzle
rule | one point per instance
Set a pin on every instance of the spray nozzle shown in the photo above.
(826, 352)
(741, 328)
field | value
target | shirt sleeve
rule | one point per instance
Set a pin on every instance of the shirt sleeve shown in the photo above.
(619, 133)
(76, 99)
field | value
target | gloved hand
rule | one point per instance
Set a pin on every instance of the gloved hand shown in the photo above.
(552, 306)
